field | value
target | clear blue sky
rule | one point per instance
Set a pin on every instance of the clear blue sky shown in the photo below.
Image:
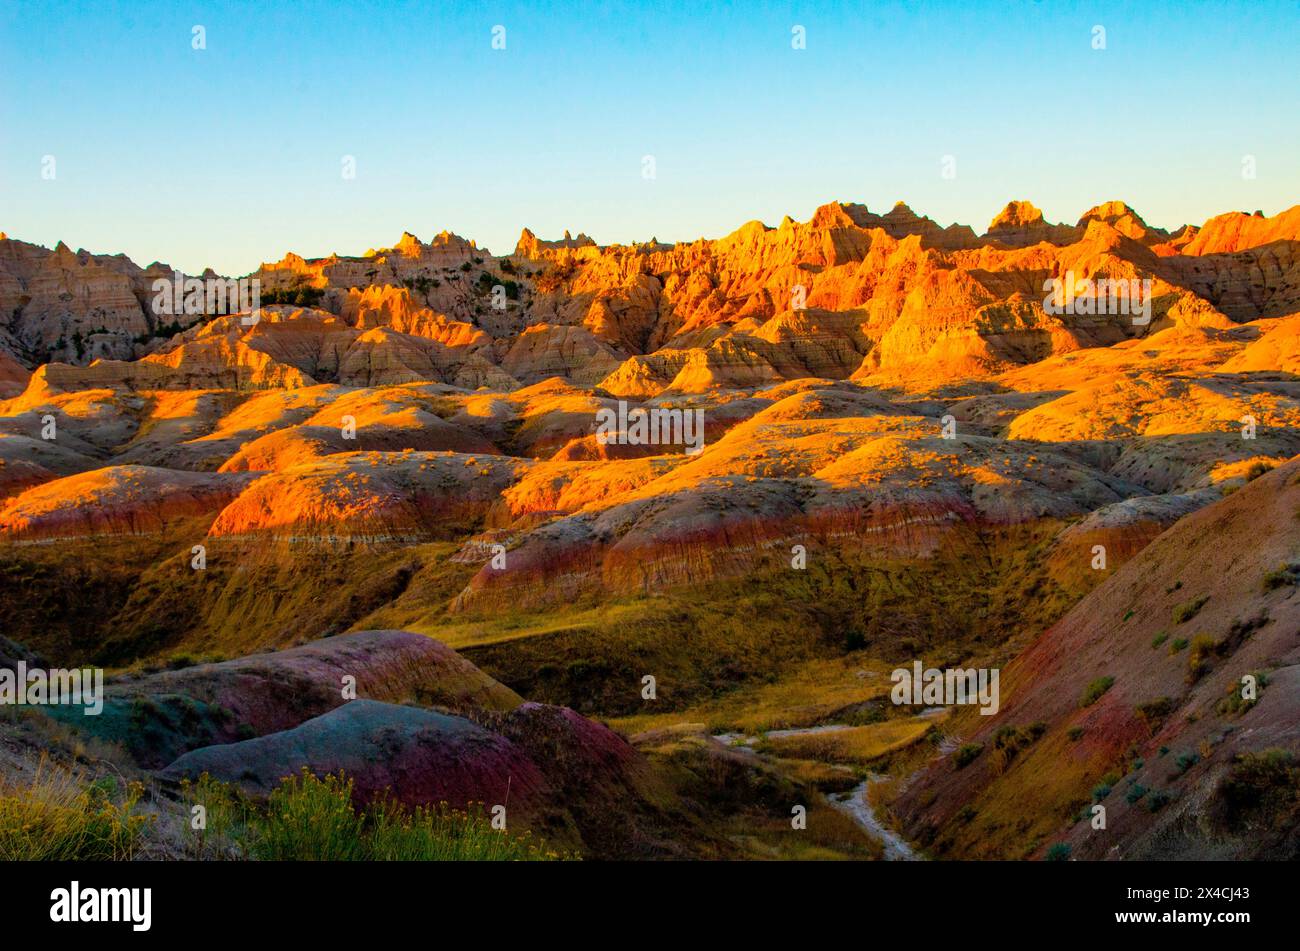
(232, 155)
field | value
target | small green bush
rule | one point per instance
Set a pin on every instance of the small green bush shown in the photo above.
(1093, 692)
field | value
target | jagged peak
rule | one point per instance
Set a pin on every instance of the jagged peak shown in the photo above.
(834, 214)
(409, 245)
(750, 229)
(1017, 214)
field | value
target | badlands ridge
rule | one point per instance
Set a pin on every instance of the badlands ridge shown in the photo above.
(886, 396)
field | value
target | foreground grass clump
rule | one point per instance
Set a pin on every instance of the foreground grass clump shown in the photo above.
(309, 819)
(56, 818)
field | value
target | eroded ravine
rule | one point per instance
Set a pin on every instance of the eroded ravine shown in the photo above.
(855, 803)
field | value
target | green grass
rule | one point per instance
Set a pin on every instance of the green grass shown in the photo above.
(1093, 692)
(703, 642)
(310, 819)
(56, 818)
(857, 745)
(1189, 609)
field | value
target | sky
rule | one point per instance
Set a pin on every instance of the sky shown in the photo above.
(235, 153)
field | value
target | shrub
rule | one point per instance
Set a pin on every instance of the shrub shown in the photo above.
(1234, 704)
(1189, 609)
(313, 819)
(1093, 692)
(300, 296)
(1257, 469)
(1153, 711)
(1010, 740)
(1158, 800)
(1159, 639)
(1074, 733)
(310, 819)
(966, 754)
(55, 820)
(1059, 852)
(1203, 646)
(1136, 792)
(1177, 645)
(1261, 791)
(1284, 576)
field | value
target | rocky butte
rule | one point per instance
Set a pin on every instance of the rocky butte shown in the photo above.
(436, 470)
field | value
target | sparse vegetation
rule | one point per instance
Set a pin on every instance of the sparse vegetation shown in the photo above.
(1093, 692)
(1152, 712)
(302, 295)
(1203, 645)
(1234, 703)
(1189, 609)
(60, 817)
(312, 819)
(1009, 741)
(1284, 576)
(1261, 793)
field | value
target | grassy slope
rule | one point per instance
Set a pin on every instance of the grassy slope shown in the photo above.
(1212, 580)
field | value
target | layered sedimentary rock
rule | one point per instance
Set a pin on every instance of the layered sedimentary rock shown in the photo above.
(887, 292)
(1173, 716)
(116, 500)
